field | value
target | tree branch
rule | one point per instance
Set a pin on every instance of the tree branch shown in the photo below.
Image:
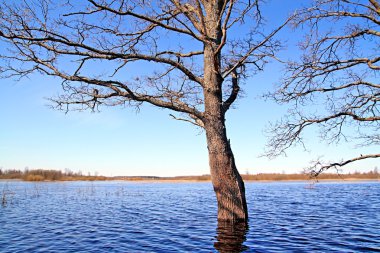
(336, 76)
(240, 62)
(195, 121)
(234, 92)
(319, 167)
(152, 20)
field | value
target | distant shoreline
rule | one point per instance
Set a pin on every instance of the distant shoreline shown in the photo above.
(249, 180)
(41, 175)
(201, 181)
(263, 178)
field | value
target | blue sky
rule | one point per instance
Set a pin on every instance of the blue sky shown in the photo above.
(121, 141)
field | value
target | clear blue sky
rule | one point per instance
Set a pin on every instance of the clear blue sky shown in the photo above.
(120, 141)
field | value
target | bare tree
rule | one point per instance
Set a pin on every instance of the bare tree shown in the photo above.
(335, 85)
(192, 54)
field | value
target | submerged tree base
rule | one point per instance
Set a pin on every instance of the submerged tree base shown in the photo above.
(231, 237)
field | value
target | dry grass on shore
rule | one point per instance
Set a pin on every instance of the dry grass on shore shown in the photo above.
(48, 175)
(264, 177)
(56, 175)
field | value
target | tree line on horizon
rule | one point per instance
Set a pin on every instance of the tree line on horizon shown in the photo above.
(68, 175)
(47, 175)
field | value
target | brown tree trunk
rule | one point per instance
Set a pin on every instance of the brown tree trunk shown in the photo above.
(227, 182)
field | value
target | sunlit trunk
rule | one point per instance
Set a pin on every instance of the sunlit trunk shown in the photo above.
(227, 182)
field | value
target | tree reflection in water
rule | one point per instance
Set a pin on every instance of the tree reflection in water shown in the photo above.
(230, 237)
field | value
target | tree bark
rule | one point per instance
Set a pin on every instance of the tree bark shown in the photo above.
(227, 182)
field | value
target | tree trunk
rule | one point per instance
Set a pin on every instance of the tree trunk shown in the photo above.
(227, 182)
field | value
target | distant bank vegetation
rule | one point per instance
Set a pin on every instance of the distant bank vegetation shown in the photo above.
(374, 174)
(303, 176)
(47, 175)
(57, 175)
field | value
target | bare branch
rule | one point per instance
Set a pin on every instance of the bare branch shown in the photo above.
(319, 167)
(152, 20)
(336, 78)
(195, 121)
(240, 62)
(234, 92)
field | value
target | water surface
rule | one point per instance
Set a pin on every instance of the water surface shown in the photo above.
(181, 217)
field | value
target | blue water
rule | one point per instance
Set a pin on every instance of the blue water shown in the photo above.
(181, 217)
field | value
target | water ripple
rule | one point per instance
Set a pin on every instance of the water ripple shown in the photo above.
(143, 217)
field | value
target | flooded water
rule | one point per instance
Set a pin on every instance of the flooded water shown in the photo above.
(181, 217)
